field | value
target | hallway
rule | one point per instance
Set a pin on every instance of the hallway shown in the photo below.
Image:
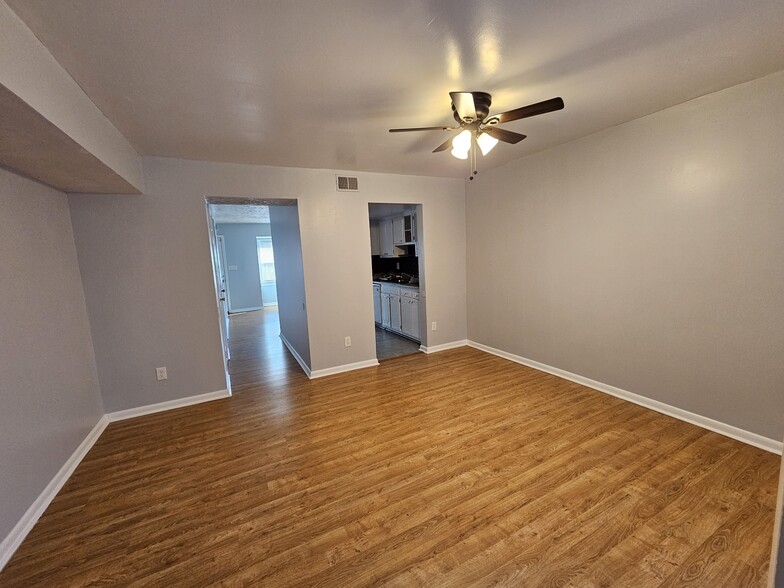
(257, 353)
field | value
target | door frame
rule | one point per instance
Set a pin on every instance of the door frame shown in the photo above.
(419, 211)
(214, 253)
(221, 243)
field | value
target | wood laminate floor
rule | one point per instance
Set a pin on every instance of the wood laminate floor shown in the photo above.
(451, 469)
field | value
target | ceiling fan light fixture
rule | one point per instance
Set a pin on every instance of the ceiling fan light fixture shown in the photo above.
(486, 143)
(461, 144)
(459, 154)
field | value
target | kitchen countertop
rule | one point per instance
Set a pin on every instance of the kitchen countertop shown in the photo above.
(396, 284)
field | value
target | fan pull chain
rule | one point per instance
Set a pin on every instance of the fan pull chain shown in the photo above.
(472, 161)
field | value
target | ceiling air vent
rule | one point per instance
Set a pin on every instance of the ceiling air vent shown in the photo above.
(347, 184)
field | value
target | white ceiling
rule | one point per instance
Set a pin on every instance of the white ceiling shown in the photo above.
(239, 213)
(317, 84)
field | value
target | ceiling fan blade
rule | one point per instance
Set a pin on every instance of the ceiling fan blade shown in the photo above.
(550, 105)
(464, 105)
(503, 135)
(444, 146)
(420, 129)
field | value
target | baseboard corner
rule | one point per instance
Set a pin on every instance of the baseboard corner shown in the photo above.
(444, 346)
(14, 539)
(339, 369)
(305, 367)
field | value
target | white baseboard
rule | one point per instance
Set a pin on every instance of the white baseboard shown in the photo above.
(684, 415)
(297, 356)
(11, 543)
(130, 413)
(443, 346)
(339, 369)
(249, 309)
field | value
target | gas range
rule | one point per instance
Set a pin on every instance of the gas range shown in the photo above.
(398, 278)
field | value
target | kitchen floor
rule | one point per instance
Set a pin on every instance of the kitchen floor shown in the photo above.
(391, 345)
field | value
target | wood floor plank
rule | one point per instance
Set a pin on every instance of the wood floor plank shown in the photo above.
(449, 469)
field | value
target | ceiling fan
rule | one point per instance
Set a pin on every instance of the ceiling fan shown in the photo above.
(471, 110)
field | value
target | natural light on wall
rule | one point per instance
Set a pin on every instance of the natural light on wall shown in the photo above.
(269, 290)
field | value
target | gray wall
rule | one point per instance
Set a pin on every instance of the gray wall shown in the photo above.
(147, 277)
(289, 273)
(647, 256)
(49, 399)
(145, 263)
(240, 243)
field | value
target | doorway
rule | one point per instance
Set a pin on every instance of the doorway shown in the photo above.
(397, 261)
(262, 316)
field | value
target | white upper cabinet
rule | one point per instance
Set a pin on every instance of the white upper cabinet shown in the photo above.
(409, 228)
(398, 238)
(387, 245)
(375, 239)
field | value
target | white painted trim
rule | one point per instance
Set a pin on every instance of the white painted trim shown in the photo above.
(443, 346)
(339, 369)
(297, 356)
(11, 543)
(249, 309)
(130, 413)
(684, 415)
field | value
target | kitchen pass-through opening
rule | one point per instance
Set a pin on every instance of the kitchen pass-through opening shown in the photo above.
(398, 261)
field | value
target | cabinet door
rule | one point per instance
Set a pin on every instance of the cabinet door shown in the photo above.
(394, 312)
(409, 228)
(414, 318)
(377, 304)
(387, 247)
(410, 315)
(375, 239)
(398, 236)
(385, 310)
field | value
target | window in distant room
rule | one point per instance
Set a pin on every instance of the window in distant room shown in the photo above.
(269, 293)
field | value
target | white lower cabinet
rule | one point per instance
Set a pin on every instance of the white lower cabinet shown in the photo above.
(395, 318)
(377, 303)
(385, 310)
(410, 316)
(400, 309)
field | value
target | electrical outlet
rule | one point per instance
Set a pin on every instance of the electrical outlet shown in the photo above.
(434, 326)
(160, 373)
(347, 341)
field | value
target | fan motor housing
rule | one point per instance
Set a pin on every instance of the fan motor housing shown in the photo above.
(482, 101)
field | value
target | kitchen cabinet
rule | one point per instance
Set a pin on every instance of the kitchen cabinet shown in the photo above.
(409, 314)
(409, 228)
(404, 229)
(400, 309)
(398, 236)
(377, 303)
(395, 317)
(375, 239)
(385, 310)
(388, 248)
